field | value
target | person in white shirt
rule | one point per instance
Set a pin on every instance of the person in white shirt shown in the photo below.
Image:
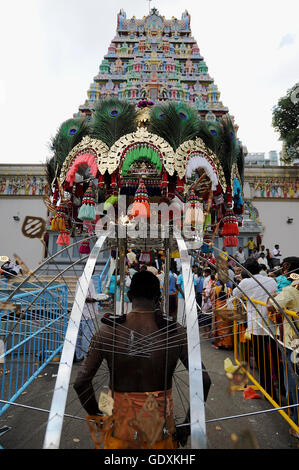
(263, 260)
(260, 327)
(131, 256)
(88, 321)
(263, 271)
(207, 276)
(240, 256)
(17, 268)
(276, 256)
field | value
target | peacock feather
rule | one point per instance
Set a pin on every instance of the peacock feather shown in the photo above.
(211, 133)
(174, 122)
(112, 118)
(69, 134)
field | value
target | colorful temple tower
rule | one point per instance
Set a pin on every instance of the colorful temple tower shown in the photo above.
(158, 59)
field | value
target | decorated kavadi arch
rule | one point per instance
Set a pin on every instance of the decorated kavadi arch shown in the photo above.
(150, 153)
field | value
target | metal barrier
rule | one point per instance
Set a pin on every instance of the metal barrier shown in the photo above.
(31, 334)
(3, 283)
(268, 364)
(100, 280)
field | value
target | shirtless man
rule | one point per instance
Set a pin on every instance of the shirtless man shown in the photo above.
(138, 364)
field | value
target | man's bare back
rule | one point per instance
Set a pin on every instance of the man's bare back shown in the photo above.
(138, 352)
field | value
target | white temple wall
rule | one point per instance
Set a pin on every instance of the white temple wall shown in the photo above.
(273, 215)
(12, 239)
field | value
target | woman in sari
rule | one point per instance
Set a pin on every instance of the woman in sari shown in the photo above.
(222, 329)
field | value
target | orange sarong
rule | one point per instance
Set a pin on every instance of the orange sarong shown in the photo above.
(131, 412)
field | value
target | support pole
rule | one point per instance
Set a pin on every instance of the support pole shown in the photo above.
(197, 404)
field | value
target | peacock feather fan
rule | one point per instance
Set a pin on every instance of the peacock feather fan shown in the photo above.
(174, 122)
(112, 118)
(69, 134)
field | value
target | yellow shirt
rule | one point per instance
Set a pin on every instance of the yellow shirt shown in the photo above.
(251, 244)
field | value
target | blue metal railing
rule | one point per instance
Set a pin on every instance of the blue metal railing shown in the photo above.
(32, 334)
(3, 283)
(100, 280)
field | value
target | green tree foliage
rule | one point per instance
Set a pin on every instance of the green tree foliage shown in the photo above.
(286, 123)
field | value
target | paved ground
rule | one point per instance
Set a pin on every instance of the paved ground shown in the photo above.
(269, 429)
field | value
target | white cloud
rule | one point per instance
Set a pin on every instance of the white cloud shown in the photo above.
(51, 50)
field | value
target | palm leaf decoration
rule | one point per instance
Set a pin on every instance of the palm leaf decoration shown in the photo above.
(112, 118)
(174, 122)
(69, 134)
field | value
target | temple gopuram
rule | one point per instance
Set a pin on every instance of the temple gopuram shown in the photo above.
(157, 59)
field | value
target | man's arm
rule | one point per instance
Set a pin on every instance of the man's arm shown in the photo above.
(179, 289)
(83, 383)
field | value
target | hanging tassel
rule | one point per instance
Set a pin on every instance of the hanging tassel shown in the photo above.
(63, 239)
(230, 224)
(230, 241)
(179, 185)
(87, 210)
(84, 248)
(194, 212)
(101, 181)
(58, 223)
(141, 207)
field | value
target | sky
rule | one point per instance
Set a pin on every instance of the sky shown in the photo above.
(51, 50)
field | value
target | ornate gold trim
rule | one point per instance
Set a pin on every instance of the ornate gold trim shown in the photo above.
(140, 136)
(95, 146)
(185, 151)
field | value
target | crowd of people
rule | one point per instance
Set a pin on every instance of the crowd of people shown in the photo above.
(244, 278)
(261, 275)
